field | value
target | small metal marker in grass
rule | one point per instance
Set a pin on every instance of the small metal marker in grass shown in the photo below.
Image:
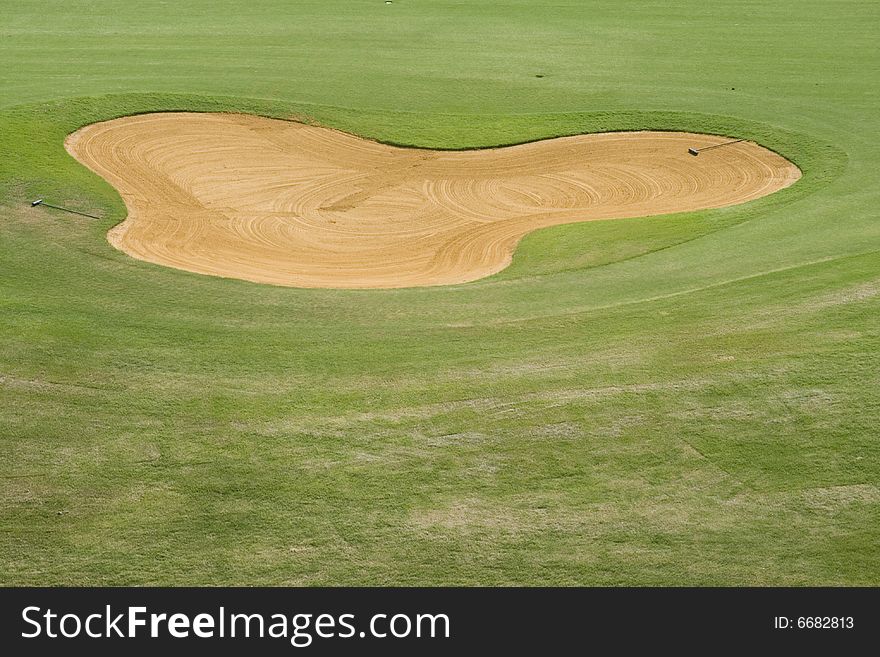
(697, 151)
(40, 201)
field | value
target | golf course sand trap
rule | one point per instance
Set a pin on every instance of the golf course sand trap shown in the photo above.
(285, 203)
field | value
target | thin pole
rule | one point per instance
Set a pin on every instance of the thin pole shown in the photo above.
(727, 143)
(695, 151)
(40, 201)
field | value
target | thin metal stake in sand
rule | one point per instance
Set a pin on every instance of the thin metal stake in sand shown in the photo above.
(40, 201)
(697, 151)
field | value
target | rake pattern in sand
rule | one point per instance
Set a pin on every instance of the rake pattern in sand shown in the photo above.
(290, 204)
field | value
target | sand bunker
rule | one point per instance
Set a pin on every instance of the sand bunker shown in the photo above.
(284, 203)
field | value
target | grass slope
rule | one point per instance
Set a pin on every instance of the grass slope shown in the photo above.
(676, 400)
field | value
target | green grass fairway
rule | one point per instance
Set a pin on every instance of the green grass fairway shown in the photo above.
(691, 399)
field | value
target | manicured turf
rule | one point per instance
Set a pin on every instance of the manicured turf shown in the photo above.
(691, 399)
